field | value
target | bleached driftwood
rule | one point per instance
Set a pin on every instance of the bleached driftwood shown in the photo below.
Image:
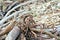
(5, 24)
(10, 16)
(18, 6)
(6, 2)
(12, 5)
(5, 19)
(13, 33)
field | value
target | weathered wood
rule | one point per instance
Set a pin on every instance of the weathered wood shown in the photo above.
(10, 16)
(13, 33)
(9, 7)
(28, 2)
(8, 2)
(4, 25)
(8, 28)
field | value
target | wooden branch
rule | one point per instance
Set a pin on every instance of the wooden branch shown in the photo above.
(7, 18)
(5, 24)
(13, 33)
(8, 2)
(10, 6)
(46, 32)
(8, 28)
(19, 6)
(10, 16)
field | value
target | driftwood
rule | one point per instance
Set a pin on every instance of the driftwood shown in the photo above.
(14, 14)
(19, 6)
(11, 6)
(28, 27)
(8, 2)
(13, 33)
(4, 25)
(8, 28)
(10, 16)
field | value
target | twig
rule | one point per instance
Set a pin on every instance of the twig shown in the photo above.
(8, 28)
(10, 6)
(34, 34)
(13, 33)
(19, 6)
(8, 2)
